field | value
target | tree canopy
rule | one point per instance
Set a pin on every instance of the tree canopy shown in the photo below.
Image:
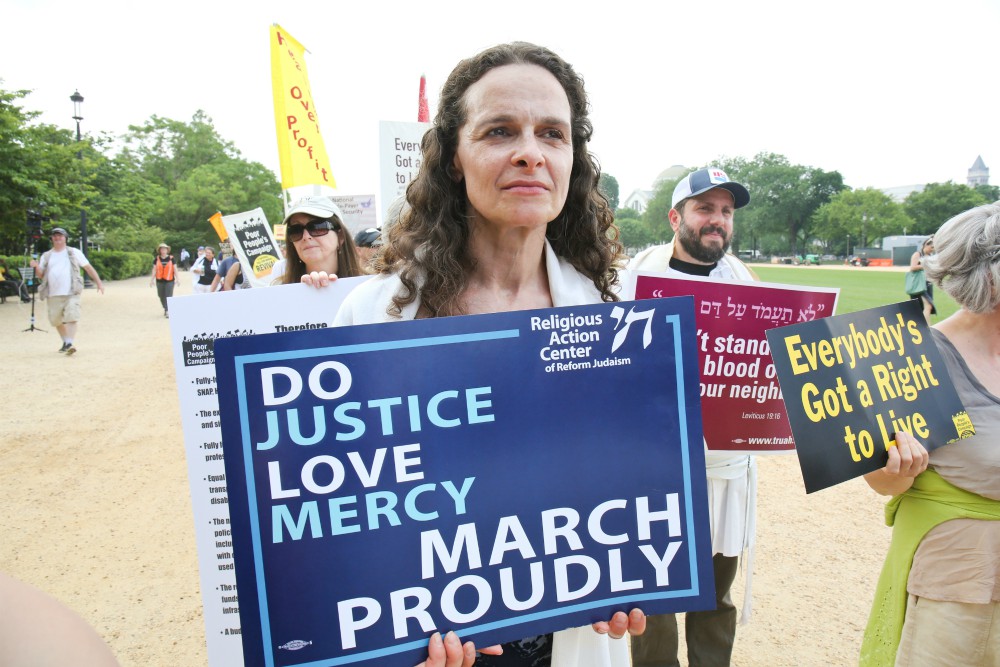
(166, 178)
(783, 197)
(38, 171)
(609, 186)
(858, 216)
(938, 203)
(634, 235)
(655, 217)
(162, 179)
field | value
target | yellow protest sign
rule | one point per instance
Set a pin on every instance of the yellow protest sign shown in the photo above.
(301, 152)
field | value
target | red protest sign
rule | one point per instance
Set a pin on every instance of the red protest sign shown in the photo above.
(741, 400)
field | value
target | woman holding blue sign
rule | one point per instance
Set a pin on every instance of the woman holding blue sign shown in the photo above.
(938, 597)
(505, 214)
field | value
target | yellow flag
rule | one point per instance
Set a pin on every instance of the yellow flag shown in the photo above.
(300, 145)
(217, 225)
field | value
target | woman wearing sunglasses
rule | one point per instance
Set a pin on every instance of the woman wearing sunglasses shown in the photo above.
(315, 240)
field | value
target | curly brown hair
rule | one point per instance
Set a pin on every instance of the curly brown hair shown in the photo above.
(429, 248)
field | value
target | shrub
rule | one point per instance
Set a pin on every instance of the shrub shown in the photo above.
(120, 264)
(110, 264)
(15, 262)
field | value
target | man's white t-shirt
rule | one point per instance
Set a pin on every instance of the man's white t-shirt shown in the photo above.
(58, 271)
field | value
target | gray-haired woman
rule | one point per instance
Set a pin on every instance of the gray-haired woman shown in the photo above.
(938, 594)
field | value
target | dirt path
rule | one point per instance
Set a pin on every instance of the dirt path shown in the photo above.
(96, 507)
(94, 482)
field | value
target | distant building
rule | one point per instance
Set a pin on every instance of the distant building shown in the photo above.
(639, 199)
(901, 192)
(902, 247)
(911, 241)
(979, 173)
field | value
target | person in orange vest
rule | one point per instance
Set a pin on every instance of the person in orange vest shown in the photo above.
(164, 275)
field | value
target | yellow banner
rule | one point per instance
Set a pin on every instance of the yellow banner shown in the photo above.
(217, 225)
(300, 145)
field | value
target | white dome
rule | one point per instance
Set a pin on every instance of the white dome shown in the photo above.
(671, 174)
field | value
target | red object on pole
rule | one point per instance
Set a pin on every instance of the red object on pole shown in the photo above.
(423, 113)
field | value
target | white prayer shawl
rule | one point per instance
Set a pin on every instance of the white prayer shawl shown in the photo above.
(732, 480)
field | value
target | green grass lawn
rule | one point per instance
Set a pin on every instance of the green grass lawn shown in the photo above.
(860, 288)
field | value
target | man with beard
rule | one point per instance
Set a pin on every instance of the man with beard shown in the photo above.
(701, 216)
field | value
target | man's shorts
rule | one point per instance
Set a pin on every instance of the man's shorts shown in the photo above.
(64, 309)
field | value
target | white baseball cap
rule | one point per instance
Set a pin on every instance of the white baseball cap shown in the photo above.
(321, 207)
(706, 179)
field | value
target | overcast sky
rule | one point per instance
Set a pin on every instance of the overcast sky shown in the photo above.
(888, 93)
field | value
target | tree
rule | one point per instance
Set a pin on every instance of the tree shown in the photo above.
(127, 203)
(861, 215)
(990, 192)
(17, 184)
(166, 180)
(38, 171)
(938, 203)
(609, 186)
(656, 217)
(633, 234)
(230, 187)
(200, 173)
(168, 150)
(783, 196)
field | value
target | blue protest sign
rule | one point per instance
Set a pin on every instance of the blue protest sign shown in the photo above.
(499, 475)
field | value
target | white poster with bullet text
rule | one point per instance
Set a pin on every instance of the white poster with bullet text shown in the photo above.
(196, 322)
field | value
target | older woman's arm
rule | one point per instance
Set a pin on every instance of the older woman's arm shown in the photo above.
(906, 460)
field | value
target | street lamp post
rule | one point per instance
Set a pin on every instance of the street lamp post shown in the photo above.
(77, 100)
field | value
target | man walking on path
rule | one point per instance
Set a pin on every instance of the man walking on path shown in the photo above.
(701, 216)
(201, 256)
(62, 285)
